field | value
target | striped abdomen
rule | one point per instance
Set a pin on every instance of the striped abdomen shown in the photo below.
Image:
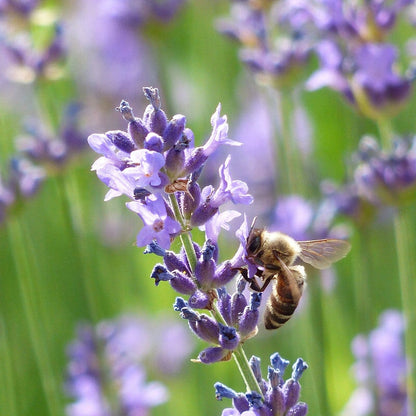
(283, 300)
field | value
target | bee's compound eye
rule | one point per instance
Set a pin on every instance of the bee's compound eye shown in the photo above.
(254, 244)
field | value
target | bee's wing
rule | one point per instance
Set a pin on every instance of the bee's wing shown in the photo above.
(322, 253)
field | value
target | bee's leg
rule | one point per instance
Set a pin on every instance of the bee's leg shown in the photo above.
(253, 283)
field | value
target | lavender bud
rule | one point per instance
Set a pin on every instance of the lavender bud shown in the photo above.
(278, 363)
(212, 355)
(205, 268)
(255, 367)
(175, 160)
(191, 199)
(202, 214)
(248, 322)
(238, 304)
(154, 248)
(274, 377)
(190, 315)
(154, 117)
(195, 161)
(182, 283)
(179, 304)
(298, 368)
(300, 409)
(121, 140)
(173, 262)
(207, 329)
(291, 390)
(222, 391)
(229, 337)
(136, 128)
(173, 131)
(241, 403)
(126, 111)
(255, 399)
(160, 273)
(138, 132)
(224, 304)
(225, 273)
(277, 398)
(200, 300)
(154, 142)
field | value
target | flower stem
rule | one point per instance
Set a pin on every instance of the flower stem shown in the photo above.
(186, 237)
(406, 249)
(245, 370)
(385, 129)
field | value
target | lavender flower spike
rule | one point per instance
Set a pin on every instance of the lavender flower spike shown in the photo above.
(279, 397)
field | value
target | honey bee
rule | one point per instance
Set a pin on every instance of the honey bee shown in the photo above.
(275, 253)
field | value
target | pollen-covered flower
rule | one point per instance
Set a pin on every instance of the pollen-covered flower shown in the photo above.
(276, 397)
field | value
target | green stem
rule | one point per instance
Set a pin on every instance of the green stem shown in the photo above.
(386, 131)
(186, 237)
(406, 249)
(28, 275)
(245, 370)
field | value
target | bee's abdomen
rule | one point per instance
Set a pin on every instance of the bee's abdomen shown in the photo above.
(277, 312)
(280, 306)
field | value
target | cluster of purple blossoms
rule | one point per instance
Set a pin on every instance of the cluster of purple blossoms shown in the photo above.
(24, 61)
(278, 397)
(355, 57)
(380, 179)
(240, 322)
(105, 373)
(38, 155)
(157, 166)
(274, 48)
(380, 370)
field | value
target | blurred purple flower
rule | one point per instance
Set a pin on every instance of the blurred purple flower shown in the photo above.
(380, 370)
(111, 357)
(381, 180)
(355, 59)
(274, 61)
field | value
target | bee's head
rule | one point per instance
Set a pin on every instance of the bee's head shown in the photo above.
(254, 241)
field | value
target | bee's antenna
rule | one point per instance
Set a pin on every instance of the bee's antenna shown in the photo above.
(253, 224)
